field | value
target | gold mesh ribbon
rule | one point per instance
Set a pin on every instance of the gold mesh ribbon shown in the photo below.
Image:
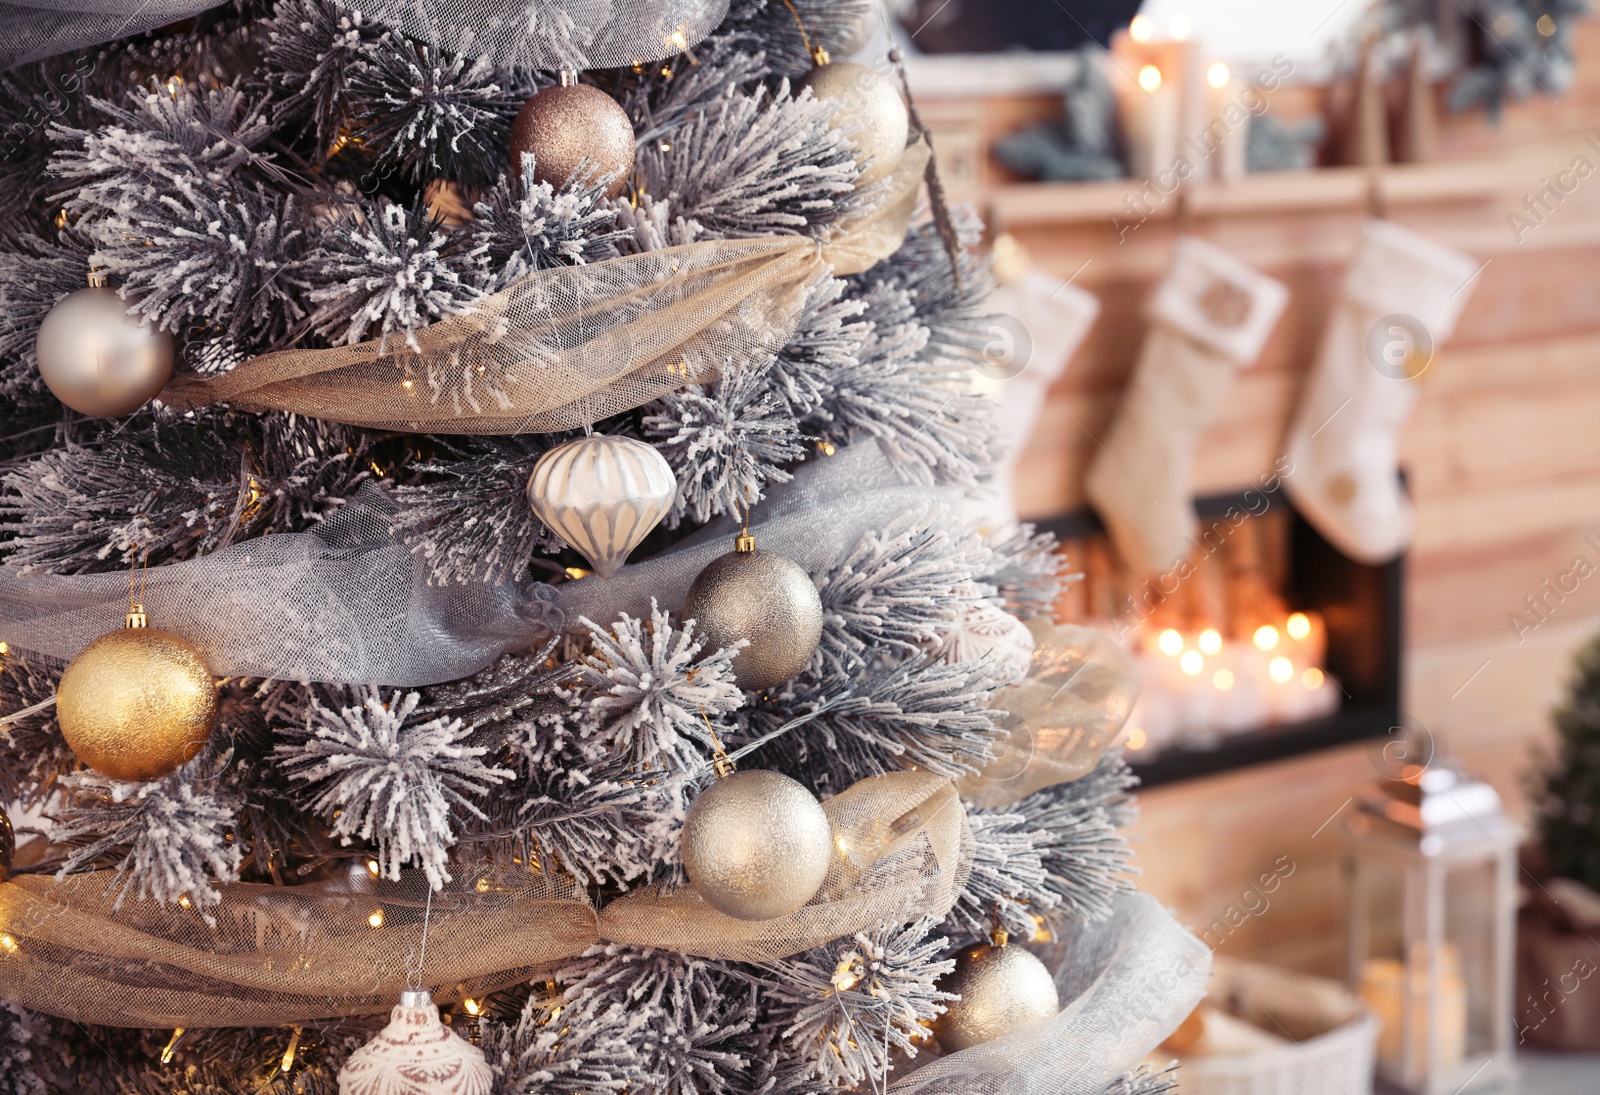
(271, 955)
(569, 346)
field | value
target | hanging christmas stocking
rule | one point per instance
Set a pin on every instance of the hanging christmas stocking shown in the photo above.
(1209, 318)
(1404, 293)
(1038, 323)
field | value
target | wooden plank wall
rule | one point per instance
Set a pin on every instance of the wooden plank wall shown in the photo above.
(1503, 455)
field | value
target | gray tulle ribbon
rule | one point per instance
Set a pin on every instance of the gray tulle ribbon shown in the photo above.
(549, 34)
(347, 603)
(350, 603)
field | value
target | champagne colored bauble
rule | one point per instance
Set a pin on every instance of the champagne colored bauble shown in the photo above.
(868, 110)
(137, 704)
(416, 1054)
(565, 125)
(8, 846)
(764, 597)
(602, 495)
(757, 845)
(99, 360)
(1003, 989)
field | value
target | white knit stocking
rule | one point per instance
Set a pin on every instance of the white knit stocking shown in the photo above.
(1210, 316)
(1404, 295)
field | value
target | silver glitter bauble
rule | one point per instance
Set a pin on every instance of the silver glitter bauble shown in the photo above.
(764, 597)
(602, 495)
(565, 125)
(868, 111)
(757, 845)
(1004, 990)
(99, 360)
(416, 1054)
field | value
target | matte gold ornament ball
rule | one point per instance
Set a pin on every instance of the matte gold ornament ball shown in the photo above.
(868, 111)
(99, 360)
(137, 704)
(1003, 989)
(765, 598)
(564, 125)
(757, 845)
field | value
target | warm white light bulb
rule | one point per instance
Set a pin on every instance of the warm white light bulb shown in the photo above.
(1179, 26)
(1298, 625)
(1312, 678)
(1210, 641)
(1266, 637)
(1280, 669)
(1150, 77)
(1223, 679)
(1141, 28)
(1192, 662)
(1217, 75)
(1170, 643)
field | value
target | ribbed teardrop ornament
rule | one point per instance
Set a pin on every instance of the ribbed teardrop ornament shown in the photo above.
(602, 495)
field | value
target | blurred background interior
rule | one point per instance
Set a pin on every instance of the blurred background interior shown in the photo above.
(1358, 729)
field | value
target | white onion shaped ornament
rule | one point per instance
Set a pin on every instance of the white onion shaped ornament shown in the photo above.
(602, 495)
(416, 1054)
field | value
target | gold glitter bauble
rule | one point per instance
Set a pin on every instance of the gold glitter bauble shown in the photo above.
(137, 704)
(1004, 990)
(868, 111)
(757, 845)
(764, 597)
(564, 125)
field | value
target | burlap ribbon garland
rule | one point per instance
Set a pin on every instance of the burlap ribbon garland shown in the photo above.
(569, 346)
(270, 955)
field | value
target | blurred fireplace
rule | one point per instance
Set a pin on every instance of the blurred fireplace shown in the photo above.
(1269, 644)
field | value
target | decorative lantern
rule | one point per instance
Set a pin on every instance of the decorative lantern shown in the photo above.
(1432, 928)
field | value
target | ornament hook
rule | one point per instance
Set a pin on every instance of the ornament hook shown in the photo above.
(136, 616)
(721, 763)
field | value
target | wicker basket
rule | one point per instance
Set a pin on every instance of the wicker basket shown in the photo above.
(1334, 1036)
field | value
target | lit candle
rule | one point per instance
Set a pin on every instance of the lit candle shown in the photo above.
(1226, 126)
(1150, 103)
(1384, 980)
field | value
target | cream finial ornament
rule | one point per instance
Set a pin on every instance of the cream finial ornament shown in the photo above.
(416, 1054)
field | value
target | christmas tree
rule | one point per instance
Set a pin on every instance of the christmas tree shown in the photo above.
(1569, 794)
(403, 331)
